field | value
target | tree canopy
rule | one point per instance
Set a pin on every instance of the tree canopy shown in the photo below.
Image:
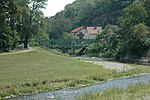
(20, 21)
(131, 39)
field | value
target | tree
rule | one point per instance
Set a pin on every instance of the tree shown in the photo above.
(108, 41)
(105, 43)
(130, 22)
(6, 39)
(31, 18)
(20, 19)
(141, 43)
(147, 6)
(58, 27)
(9, 19)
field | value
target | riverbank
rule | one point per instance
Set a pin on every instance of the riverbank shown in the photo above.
(41, 70)
(139, 61)
(95, 91)
(142, 61)
(132, 92)
(120, 67)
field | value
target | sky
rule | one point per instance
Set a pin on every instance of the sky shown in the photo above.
(55, 6)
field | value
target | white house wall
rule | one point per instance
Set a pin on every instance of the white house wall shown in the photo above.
(83, 31)
(87, 35)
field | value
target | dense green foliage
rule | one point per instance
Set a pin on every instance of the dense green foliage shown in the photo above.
(133, 30)
(20, 21)
(129, 39)
(105, 43)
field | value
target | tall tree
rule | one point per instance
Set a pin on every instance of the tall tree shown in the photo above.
(105, 43)
(9, 19)
(58, 26)
(31, 18)
(133, 15)
(147, 6)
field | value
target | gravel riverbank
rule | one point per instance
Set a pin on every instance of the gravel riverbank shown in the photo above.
(120, 67)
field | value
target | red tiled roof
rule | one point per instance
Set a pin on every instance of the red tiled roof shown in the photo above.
(77, 29)
(94, 30)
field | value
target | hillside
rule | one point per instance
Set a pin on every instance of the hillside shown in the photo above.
(87, 13)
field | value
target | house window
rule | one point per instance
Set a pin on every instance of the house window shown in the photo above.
(80, 35)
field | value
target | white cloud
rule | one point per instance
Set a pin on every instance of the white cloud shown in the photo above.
(55, 6)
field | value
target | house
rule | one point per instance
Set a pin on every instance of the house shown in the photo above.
(87, 32)
(79, 31)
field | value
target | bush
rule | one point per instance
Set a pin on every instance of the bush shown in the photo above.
(6, 39)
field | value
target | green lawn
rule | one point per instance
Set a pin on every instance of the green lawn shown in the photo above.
(42, 66)
(42, 70)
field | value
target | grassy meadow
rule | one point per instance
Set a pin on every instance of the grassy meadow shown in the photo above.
(42, 70)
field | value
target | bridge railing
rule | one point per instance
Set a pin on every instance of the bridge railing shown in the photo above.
(67, 43)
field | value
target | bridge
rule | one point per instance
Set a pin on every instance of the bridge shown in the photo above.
(66, 44)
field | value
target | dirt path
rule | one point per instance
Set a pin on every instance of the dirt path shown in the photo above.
(120, 67)
(22, 51)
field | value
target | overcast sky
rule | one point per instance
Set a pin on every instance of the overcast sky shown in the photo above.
(55, 6)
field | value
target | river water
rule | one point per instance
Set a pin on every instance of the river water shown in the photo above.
(71, 94)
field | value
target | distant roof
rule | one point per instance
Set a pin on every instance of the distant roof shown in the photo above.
(77, 29)
(94, 30)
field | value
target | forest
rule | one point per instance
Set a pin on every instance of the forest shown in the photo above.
(126, 25)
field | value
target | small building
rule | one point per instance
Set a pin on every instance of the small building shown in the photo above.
(79, 31)
(87, 32)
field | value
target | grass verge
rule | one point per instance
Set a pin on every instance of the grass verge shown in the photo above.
(136, 92)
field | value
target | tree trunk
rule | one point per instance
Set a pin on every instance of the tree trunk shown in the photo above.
(26, 41)
(14, 45)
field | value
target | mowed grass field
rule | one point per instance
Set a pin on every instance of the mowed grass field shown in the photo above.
(42, 65)
(42, 70)
(39, 68)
